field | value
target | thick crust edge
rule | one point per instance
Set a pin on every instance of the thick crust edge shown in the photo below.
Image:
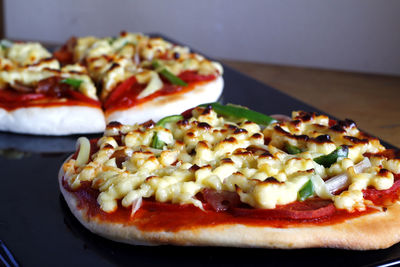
(170, 104)
(58, 120)
(373, 231)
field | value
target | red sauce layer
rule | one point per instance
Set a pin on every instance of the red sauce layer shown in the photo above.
(156, 216)
(383, 197)
(49, 92)
(125, 95)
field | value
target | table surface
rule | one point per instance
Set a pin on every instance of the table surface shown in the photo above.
(370, 100)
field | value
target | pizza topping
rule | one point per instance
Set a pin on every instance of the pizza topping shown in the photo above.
(221, 200)
(306, 191)
(74, 82)
(24, 54)
(182, 156)
(111, 61)
(117, 94)
(12, 96)
(241, 112)
(136, 204)
(153, 81)
(292, 149)
(32, 70)
(159, 68)
(281, 117)
(320, 187)
(4, 43)
(167, 74)
(159, 140)
(19, 87)
(383, 197)
(328, 160)
(342, 180)
(309, 209)
(84, 151)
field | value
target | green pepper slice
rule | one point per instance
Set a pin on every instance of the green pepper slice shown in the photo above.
(328, 160)
(167, 74)
(172, 118)
(73, 82)
(156, 142)
(292, 149)
(306, 191)
(240, 112)
(111, 40)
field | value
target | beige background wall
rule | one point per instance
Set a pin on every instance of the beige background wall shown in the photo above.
(359, 35)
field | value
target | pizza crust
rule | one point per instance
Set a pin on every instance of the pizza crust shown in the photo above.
(373, 231)
(168, 105)
(58, 120)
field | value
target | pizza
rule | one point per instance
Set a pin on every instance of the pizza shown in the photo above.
(38, 96)
(224, 175)
(91, 81)
(141, 77)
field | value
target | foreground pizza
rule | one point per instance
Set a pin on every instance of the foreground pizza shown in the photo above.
(213, 176)
(91, 81)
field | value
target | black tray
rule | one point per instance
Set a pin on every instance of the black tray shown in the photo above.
(37, 226)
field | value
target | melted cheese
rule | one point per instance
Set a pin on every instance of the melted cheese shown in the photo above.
(112, 60)
(25, 54)
(29, 63)
(209, 151)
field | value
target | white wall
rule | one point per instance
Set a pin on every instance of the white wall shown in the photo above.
(360, 35)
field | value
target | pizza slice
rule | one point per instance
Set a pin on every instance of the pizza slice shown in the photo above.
(142, 77)
(228, 176)
(37, 96)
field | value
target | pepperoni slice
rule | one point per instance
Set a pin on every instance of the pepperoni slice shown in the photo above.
(187, 114)
(7, 95)
(221, 200)
(65, 53)
(381, 197)
(307, 210)
(193, 76)
(116, 95)
(72, 94)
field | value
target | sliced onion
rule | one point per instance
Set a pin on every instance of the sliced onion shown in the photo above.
(84, 151)
(320, 187)
(136, 57)
(281, 117)
(136, 204)
(153, 86)
(342, 180)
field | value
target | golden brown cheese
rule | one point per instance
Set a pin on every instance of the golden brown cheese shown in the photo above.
(24, 54)
(210, 151)
(111, 61)
(28, 63)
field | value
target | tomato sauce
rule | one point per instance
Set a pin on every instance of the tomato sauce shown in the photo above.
(125, 95)
(11, 99)
(156, 216)
(382, 197)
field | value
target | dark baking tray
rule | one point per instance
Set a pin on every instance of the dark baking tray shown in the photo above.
(37, 226)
